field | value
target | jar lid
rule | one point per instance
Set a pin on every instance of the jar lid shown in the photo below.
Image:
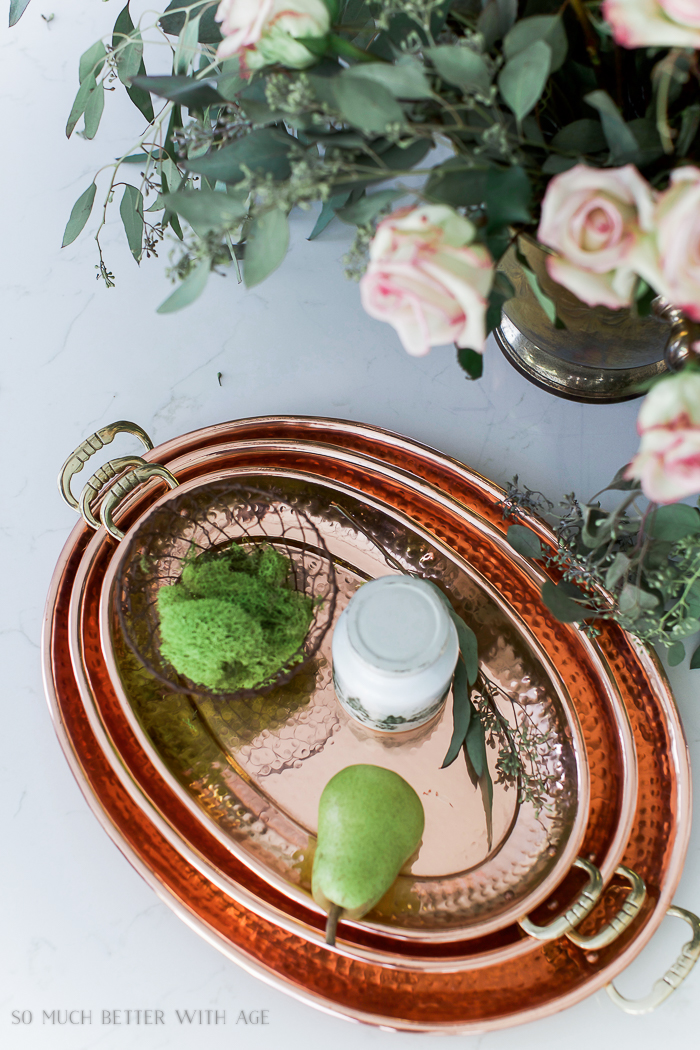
(397, 624)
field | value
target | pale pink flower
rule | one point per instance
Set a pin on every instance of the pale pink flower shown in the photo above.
(668, 461)
(428, 279)
(600, 223)
(678, 231)
(262, 32)
(654, 23)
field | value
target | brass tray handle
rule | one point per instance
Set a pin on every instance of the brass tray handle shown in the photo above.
(89, 447)
(619, 923)
(674, 976)
(587, 900)
(99, 479)
(125, 485)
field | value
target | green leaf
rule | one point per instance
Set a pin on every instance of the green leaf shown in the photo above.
(92, 61)
(621, 142)
(406, 79)
(81, 100)
(523, 78)
(542, 298)
(635, 600)
(581, 136)
(675, 654)
(186, 91)
(467, 646)
(266, 245)
(674, 522)
(327, 214)
(539, 27)
(187, 44)
(453, 183)
(206, 210)
(265, 150)
(131, 211)
(366, 105)
(93, 111)
(127, 45)
(141, 98)
(17, 9)
(617, 570)
(209, 29)
(695, 660)
(471, 362)
(690, 123)
(476, 744)
(190, 289)
(559, 600)
(507, 195)
(462, 67)
(461, 713)
(496, 19)
(79, 215)
(363, 211)
(525, 541)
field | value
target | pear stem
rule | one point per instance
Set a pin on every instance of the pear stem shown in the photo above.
(332, 922)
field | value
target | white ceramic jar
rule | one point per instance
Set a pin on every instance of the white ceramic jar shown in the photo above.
(395, 649)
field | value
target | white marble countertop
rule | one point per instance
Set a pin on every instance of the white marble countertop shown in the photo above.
(81, 931)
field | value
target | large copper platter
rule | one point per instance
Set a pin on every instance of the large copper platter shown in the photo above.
(457, 995)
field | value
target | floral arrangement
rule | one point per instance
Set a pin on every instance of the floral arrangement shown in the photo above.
(444, 131)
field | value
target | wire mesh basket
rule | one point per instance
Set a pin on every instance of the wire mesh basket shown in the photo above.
(207, 521)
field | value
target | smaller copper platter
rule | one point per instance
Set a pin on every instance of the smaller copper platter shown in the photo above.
(437, 509)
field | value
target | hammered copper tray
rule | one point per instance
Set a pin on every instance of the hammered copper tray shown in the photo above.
(452, 996)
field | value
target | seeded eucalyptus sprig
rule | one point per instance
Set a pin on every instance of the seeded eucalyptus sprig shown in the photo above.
(645, 555)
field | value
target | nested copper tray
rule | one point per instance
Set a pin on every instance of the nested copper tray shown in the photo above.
(658, 844)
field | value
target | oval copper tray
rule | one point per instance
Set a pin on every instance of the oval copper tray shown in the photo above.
(453, 995)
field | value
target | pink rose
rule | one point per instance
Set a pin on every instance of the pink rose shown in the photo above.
(678, 231)
(668, 461)
(599, 221)
(654, 23)
(262, 32)
(427, 279)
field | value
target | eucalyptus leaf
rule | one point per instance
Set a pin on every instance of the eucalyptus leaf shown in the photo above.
(635, 599)
(131, 211)
(541, 296)
(187, 44)
(695, 660)
(266, 245)
(471, 362)
(406, 79)
(141, 98)
(461, 713)
(190, 289)
(581, 136)
(690, 123)
(127, 45)
(496, 19)
(523, 78)
(675, 654)
(621, 141)
(455, 184)
(209, 29)
(93, 111)
(467, 646)
(475, 744)
(559, 599)
(555, 165)
(79, 215)
(185, 91)
(17, 9)
(462, 67)
(263, 151)
(206, 210)
(538, 27)
(327, 213)
(507, 196)
(92, 61)
(363, 211)
(366, 105)
(85, 90)
(525, 541)
(674, 522)
(617, 569)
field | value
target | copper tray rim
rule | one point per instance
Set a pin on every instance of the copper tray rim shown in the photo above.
(649, 661)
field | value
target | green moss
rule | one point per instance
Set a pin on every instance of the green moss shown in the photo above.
(231, 621)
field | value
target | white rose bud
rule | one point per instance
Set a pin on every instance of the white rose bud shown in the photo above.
(678, 230)
(427, 279)
(654, 23)
(263, 32)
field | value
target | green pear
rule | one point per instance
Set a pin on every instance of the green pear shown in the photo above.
(370, 821)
